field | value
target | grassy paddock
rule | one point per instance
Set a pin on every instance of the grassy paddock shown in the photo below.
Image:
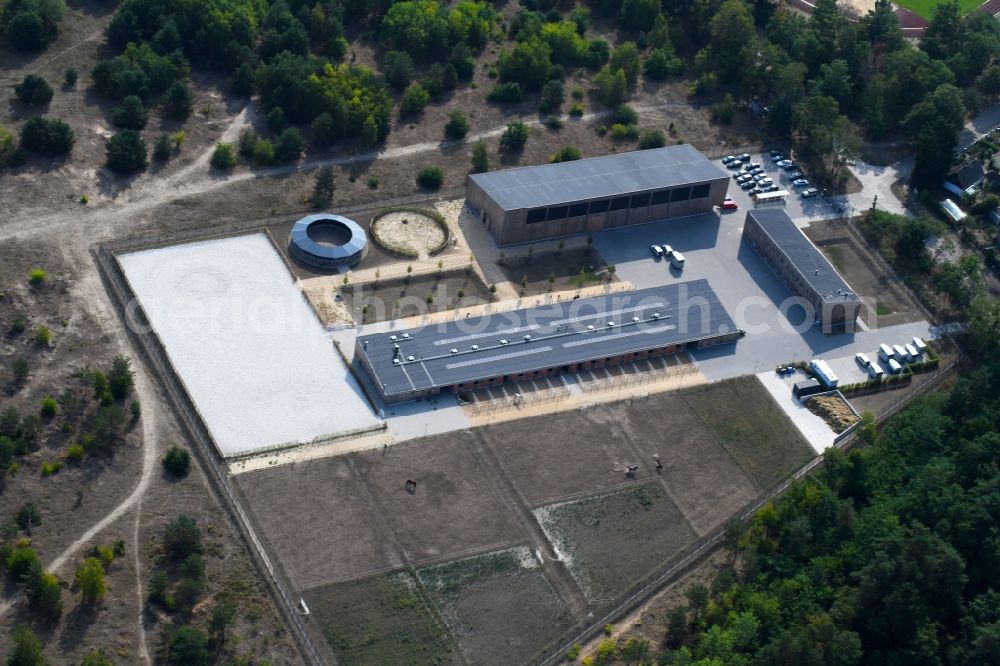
(925, 8)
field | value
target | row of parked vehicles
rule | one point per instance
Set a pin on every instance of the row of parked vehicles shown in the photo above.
(753, 179)
(894, 357)
(665, 251)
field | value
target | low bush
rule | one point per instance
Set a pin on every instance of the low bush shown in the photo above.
(75, 453)
(33, 89)
(430, 178)
(566, 154)
(126, 152)
(457, 126)
(506, 93)
(49, 407)
(48, 137)
(177, 462)
(50, 468)
(653, 138)
(38, 276)
(223, 158)
(515, 136)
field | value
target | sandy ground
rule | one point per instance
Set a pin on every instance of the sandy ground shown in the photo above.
(409, 231)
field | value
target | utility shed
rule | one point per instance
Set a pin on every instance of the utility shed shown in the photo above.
(583, 196)
(803, 268)
(534, 342)
(806, 387)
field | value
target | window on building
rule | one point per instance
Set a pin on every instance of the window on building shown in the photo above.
(700, 191)
(619, 204)
(576, 210)
(680, 194)
(661, 197)
(599, 206)
(536, 215)
(557, 212)
(639, 200)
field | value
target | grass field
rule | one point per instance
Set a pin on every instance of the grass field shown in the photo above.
(925, 8)
(382, 620)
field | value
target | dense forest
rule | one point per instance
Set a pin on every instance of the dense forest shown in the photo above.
(822, 82)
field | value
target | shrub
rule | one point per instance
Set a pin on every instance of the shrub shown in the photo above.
(32, 25)
(131, 114)
(120, 377)
(70, 77)
(223, 158)
(622, 132)
(49, 407)
(48, 137)
(163, 147)
(515, 136)
(576, 111)
(96, 658)
(506, 93)
(247, 142)
(457, 126)
(554, 122)
(289, 146)
(414, 99)
(276, 119)
(725, 110)
(27, 517)
(398, 69)
(182, 538)
(653, 138)
(324, 186)
(187, 646)
(430, 178)
(177, 462)
(612, 86)
(21, 561)
(50, 468)
(43, 335)
(126, 152)
(596, 53)
(38, 276)
(372, 182)
(74, 453)
(33, 89)
(324, 130)
(566, 154)
(27, 648)
(552, 97)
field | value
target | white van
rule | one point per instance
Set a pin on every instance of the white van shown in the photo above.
(677, 260)
(919, 345)
(875, 371)
(894, 367)
(885, 353)
(911, 353)
(899, 353)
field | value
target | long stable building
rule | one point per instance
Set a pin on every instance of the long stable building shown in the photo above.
(546, 340)
(803, 268)
(539, 202)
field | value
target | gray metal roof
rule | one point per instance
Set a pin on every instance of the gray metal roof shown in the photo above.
(597, 177)
(355, 244)
(560, 334)
(807, 259)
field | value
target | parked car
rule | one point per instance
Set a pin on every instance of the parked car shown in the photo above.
(777, 158)
(748, 185)
(765, 181)
(735, 164)
(772, 188)
(754, 165)
(745, 157)
(729, 204)
(795, 174)
(809, 192)
(667, 251)
(742, 178)
(800, 182)
(656, 250)
(789, 165)
(728, 158)
(756, 190)
(737, 175)
(756, 171)
(774, 153)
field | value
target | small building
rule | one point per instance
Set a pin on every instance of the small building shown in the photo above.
(584, 196)
(951, 209)
(803, 268)
(964, 179)
(806, 387)
(531, 343)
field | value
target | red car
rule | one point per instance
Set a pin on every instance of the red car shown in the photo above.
(729, 204)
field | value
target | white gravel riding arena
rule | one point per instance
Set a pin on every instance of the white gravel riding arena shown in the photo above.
(251, 353)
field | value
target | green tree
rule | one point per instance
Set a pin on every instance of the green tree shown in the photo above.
(222, 616)
(223, 158)
(731, 30)
(90, 580)
(419, 27)
(289, 146)
(480, 157)
(639, 15)
(126, 152)
(182, 538)
(48, 137)
(324, 186)
(612, 86)
(653, 138)
(27, 649)
(626, 58)
(414, 99)
(177, 461)
(188, 646)
(529, 63)
(552, 97)
(131, 114)
(120, 377)
(178, 101)
(33, 89)
(457, 126)
(933, 127)
(8, 147)
(515, 136)
(96, 658)
(28, 516)
(31, 24)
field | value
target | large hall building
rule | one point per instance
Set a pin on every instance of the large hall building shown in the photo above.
(583, 196)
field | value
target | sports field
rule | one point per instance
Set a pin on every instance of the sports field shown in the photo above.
(925, 8)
